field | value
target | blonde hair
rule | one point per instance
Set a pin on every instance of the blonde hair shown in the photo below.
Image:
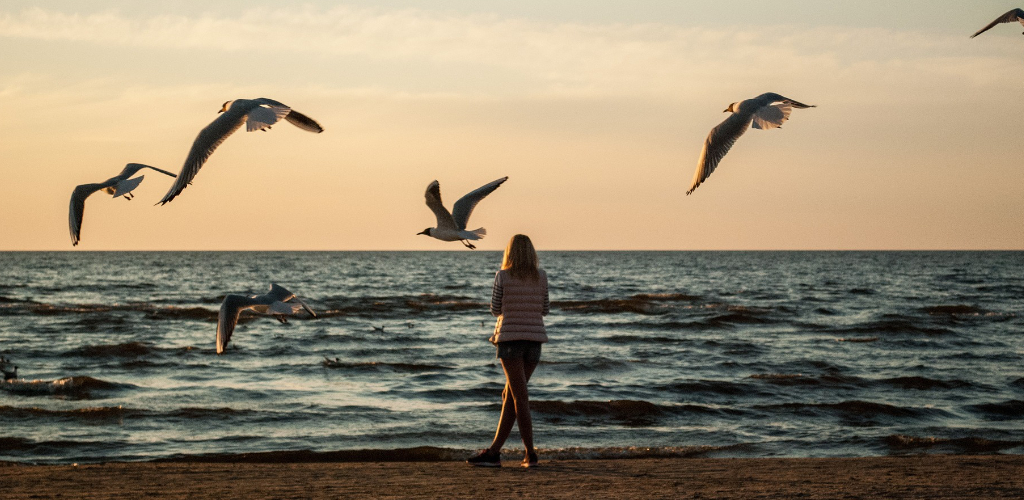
(520, 258)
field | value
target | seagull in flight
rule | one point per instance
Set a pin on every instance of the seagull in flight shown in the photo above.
(760, 112)
(1011, 16)
(256, 114)
(118, 185)
(452, 226)
(273, 303)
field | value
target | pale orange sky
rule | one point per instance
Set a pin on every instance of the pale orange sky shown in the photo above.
(595, 110)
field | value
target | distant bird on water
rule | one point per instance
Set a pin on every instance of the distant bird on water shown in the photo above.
(272, 302)
(8, 374)
(118, 185)
(256, 114)
(452, 226)
(761, 112)
(1015, 15)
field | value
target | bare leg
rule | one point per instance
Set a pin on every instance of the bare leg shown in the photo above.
(515, 404)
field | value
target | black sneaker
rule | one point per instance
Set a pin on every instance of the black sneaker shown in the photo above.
(486, 458)
(530, 460)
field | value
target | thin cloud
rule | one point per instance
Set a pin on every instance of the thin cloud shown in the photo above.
(558, 57)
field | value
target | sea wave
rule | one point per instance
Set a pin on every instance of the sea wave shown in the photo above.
(894, 326)
(900, 442)
(1006, 410)
(862, 409)
(642, 303)
(129, 349)
(923, 383)
(716, 387)
(90, 413)
(377, 366)
(624, 411)
(954, 310)
(76, 387)
(435, 454)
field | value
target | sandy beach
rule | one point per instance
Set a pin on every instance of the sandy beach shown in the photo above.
(924, 477)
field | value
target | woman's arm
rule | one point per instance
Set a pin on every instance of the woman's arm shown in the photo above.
(496, 294)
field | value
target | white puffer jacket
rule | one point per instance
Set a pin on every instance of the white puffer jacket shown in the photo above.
(520, 306)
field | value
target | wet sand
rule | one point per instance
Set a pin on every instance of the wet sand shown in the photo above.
(924, 477)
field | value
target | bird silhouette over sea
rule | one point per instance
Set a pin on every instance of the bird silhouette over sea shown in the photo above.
(273, 303)
(1015, 15)
(256, 114)
(452, 226)
(766, 111)
(118, 185)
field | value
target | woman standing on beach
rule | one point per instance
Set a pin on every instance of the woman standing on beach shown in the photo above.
(520, 301)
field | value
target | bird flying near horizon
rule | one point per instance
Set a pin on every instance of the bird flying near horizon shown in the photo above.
(274, 303)
(761, 112)
(118, 185)
(1015, 15)
(452, 226)
(256, 114)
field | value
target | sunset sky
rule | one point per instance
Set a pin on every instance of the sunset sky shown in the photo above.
(596, 110)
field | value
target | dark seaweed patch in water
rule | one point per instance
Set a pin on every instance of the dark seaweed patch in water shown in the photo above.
(208, 413)
(786, 379)
(900, 442)
(16, 444)
(9, 300)
(182, 313)
(923, 383)
(954, 310)
(625, 411)
(130, 349)
(448, 303)
(485, 392)
(1007, 410)
(380, 366)
(894, 326)
(667, 297)
(611, 306)
(713, 387)
(858, 408)
(395, 306)
(53, 310)
(857, 339)
(861, 291)
(643, 303)
(95, 413)
(628, 412)
(69, 387)
(642, 339)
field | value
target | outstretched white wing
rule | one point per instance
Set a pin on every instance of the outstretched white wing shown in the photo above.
(464, 207)
(76, 210)
(773, 116)
(718, 143)
(1009, 17)
(205, 144)
(433, 197)
(261, 117)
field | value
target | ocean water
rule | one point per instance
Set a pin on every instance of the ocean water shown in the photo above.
(651, 354)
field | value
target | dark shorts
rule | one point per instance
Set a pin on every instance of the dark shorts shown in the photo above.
(527, 350)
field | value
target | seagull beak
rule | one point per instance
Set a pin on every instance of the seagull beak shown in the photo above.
(423, 232)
